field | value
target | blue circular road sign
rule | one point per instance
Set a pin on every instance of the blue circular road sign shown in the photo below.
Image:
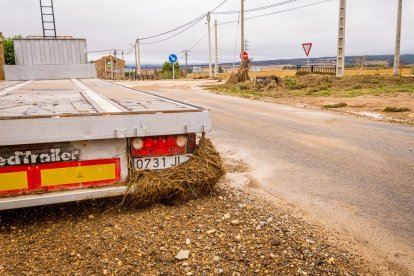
(172, 58)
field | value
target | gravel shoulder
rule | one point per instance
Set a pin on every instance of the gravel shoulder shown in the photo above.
(350, 175)
(235, 231)
(371, 107)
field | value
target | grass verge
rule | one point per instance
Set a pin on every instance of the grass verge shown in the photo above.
(320, 86)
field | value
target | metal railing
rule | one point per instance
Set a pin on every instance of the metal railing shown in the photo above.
(148, 77)
(323, 69)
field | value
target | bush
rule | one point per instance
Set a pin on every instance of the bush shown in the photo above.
(9, 49)
(243, 86)
(166, 71)
(293, 84)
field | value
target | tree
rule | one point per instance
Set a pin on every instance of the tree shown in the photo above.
(9, 49)
(167, 69)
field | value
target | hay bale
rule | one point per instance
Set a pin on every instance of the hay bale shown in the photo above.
(192, 179)
(242, 73)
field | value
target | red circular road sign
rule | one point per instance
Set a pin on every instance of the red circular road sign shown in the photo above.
(245, 55)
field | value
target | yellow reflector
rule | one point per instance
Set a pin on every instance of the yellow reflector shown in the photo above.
(75, 175)
(13, 181)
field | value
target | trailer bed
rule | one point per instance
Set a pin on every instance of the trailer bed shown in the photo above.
(83, 109)
(74, 97)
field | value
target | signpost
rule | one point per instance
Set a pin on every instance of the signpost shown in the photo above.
(173, 59)
(307, 47)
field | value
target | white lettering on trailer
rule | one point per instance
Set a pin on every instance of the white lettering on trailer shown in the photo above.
(6, 90)
(100, 100)
(29, 157)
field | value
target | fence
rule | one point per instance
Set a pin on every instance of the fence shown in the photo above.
(148, 77)
(319, 69)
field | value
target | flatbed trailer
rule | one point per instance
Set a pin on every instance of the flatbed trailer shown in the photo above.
(73, 139)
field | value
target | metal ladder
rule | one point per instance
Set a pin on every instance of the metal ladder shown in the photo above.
(48, 18)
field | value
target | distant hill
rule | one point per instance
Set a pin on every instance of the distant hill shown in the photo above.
(349, 60)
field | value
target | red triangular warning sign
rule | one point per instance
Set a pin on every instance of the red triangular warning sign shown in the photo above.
(307, 47)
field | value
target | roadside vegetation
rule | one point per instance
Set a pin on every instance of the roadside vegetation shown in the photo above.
(319, 85)
(9, 49)
(167, 69)
(378, 96)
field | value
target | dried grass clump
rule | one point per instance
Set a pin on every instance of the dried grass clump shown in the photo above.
(396, 109)
(192, 179)
(337, 105)
(242, 73)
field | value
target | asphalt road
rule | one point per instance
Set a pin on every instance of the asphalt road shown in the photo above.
(353, 174)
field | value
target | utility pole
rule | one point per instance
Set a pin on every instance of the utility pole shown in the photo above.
(123, 69)
(116, 65)
(210, 72)
(398, 41)
(242, 32)
(112, 64)
(2, 59)
(216, 48)
(340, 60)
(186, 61)
(137, 60)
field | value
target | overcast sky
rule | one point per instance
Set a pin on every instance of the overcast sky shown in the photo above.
(370, 27)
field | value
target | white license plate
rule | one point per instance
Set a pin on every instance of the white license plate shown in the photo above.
(158, 163)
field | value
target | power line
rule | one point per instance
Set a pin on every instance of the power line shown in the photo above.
(291, 9)
(186, 26)
(127, 51)
(238, 21)
(235, 45)
(99, 51)
(196, 20)
(222, 3)
(193, 22)
(258, 8)
(198, 41)
(174, 35)
(281, 11)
